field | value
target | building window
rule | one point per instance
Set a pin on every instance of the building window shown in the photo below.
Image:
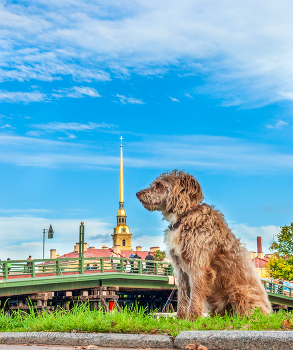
(122, 220)
(123, 243)
(119, 220)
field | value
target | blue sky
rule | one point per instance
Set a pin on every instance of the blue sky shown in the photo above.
(202, 86)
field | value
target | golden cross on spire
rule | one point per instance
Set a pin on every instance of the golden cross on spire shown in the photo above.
(121, 138)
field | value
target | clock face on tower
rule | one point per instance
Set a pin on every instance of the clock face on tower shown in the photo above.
(123, 230)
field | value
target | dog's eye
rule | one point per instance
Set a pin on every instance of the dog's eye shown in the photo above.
(159, 186)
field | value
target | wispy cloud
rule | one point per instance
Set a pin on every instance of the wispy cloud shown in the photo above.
(188, 95)
(25, 212)
(56, 126)
(7, 126)
(76, 92)
(231, 103)
(130, 100)
(278, 125)
(68, 128)
(194, 152)
(18, 96)
(37, 96)
(33, 133)
(248, 235)
(173, 99)
(4, 117)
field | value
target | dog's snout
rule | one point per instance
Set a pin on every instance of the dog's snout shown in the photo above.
(138, 194)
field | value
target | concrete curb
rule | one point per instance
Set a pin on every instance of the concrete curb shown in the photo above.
(116, 340)
(213, 340)
(242, 340)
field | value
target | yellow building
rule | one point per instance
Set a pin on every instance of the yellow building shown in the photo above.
(121, 235)
(259, 261)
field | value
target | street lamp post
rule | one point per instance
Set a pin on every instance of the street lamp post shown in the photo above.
(50, 235)
(81, 248)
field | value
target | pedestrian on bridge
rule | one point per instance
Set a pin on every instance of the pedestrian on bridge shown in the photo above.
(280, 287)
(131, 256)
(149, 266)
(124, 262)
(9, 265)
(136, 256)
(29, 264)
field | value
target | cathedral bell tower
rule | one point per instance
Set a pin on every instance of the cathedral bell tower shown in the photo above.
(122, 234)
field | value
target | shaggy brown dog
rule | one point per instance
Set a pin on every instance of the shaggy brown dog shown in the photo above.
(211, 264)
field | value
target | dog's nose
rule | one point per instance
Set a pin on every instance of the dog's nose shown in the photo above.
(138, 194)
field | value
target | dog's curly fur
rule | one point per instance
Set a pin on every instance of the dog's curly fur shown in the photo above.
(211, 264)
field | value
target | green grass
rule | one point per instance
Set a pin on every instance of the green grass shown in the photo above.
(81, 319)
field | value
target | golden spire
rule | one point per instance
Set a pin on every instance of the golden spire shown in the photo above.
(121, 211)
(121, 196)
(121, 235)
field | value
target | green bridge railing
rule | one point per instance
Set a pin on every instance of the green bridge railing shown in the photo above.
(277, 289)
(12, 269)
(18, 269)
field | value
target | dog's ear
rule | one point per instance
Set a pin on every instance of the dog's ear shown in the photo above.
(186, 193)
(194, 190)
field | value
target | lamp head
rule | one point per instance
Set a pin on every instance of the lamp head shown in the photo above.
(50, 232)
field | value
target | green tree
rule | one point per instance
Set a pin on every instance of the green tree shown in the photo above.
(284, 246)
(280, 265)
(160, 255)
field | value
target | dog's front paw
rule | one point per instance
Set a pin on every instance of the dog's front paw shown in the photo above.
(194, 312)
(182, 314)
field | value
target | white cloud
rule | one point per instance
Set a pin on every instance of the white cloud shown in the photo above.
(173, 99)
(23, 236)
(148, 241)
(4, 116)
(130, 100)
(33, 133)
(37, 96)
(248, 235)
(18, 96)
(225, 42)
(77, 92)
(278, 125)
(68, 137)
(232, 103)
(7, 126)
(188, 95)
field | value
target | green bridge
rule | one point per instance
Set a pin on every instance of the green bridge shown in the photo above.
(24, 277)
(33, 276)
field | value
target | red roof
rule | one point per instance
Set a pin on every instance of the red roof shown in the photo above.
(98, 253)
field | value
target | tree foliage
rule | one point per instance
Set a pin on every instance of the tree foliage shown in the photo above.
(160, 255)
(280, 265)
(284, 246)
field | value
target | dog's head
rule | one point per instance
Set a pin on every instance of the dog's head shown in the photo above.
(173, 192)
